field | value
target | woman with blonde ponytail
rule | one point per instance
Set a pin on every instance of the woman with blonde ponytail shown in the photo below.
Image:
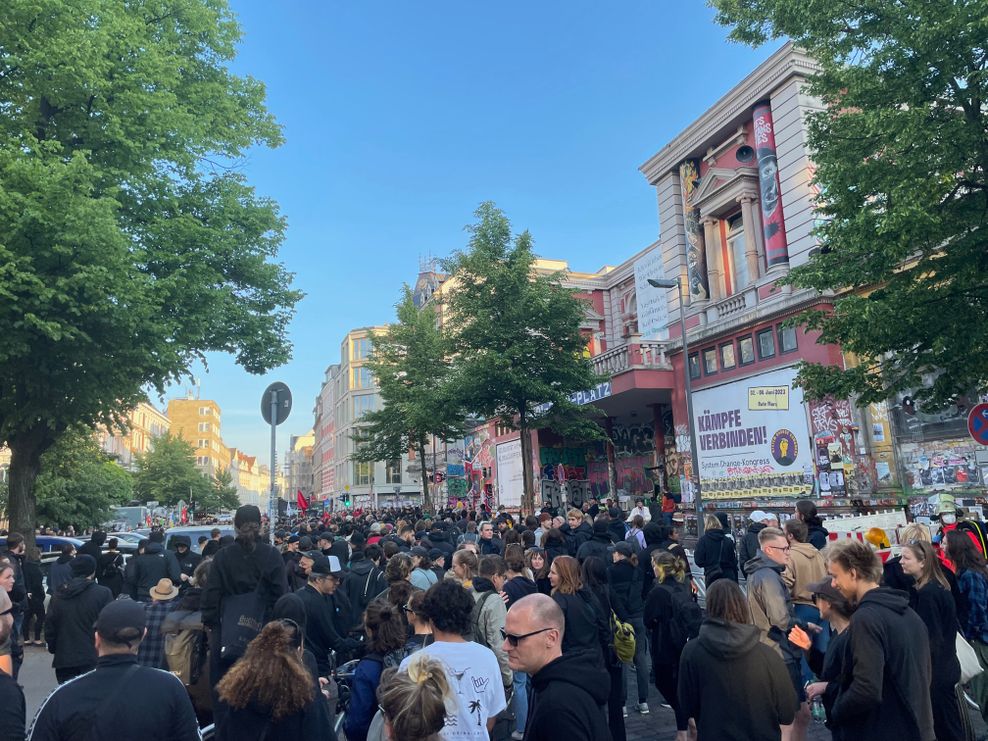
(269, 693)
(414, 703)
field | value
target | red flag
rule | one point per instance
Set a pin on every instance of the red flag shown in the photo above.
(300, 500)
(185, 515)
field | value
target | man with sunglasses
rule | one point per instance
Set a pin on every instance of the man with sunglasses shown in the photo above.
(568, 696)
(771, 612)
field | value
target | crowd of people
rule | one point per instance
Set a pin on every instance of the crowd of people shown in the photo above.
(484, 625)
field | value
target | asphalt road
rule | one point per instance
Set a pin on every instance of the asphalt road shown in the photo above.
(36, 677)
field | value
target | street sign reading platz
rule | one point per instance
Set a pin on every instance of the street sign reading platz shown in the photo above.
(277, 397)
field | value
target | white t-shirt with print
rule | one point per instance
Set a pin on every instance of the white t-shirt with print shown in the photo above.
(475, 678)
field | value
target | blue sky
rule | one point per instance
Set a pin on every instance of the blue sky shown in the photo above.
(401, 117)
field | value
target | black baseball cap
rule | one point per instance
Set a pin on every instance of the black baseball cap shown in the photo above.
(122, 621)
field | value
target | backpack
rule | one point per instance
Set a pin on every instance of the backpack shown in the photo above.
(684, 624)
(623, 635)
(475, 619)
(184, 654)
(111, 569)
(977, 529)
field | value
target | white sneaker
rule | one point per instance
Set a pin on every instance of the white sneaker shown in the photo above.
(517, 735)
(643, 708)
(625, 711)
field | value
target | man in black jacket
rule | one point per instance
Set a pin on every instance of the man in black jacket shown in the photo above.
(887, 694)
(599, 545)
(361, 584)
(488, 544)
(322, 633)
(187, 559)
(69, 623)
(120, 699)
(567, 699)
(146, 570)
(94, 546)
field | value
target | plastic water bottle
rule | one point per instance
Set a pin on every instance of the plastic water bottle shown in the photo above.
(817, 710)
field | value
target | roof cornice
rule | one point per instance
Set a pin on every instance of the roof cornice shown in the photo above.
(787, 62)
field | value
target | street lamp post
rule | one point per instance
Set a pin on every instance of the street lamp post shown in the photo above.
(677, 283)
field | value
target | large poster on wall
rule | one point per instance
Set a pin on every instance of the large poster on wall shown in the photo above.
(509, 473)
(653, 303)
(752, 439)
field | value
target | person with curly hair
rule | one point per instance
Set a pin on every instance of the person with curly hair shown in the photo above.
(471, 668)
(386, 634)
(413, 702)
(269, 693)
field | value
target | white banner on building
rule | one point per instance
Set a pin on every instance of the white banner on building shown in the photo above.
(510, 477)
(752, 437)
(653, 303)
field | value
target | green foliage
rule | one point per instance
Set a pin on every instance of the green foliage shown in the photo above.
(902, 162)
(168, 474)
(516, 331)
(223, 494)
(411, 364)
(79, 483)
(129, 244)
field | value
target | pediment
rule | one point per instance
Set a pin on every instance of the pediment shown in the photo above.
(721, 189)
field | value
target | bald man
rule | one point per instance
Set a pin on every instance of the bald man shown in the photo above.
(568, 692)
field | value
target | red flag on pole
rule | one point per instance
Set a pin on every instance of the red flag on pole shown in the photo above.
(300, 500)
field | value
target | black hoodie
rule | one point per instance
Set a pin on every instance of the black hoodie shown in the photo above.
(887, 692)
(749, 543)
(361, 584)
(69, 622)
(734, 686)
(567, 700)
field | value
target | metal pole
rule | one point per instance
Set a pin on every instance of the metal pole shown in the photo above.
(694, 458)
(274, 426)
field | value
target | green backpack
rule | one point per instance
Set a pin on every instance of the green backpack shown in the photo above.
(624, 639)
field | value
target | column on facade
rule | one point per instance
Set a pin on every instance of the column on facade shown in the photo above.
(659, 437)
(752, 237)
(611, 458)
(715, 270)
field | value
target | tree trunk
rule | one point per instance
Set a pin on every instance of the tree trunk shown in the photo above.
(426, 502)
(25, 465)
(528, 493)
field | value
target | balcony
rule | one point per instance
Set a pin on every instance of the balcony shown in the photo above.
(733, 306)
(637, 354)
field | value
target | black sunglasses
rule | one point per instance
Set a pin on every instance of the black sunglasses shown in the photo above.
(514, 640)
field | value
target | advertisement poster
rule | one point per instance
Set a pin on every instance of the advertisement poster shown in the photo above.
(773, 221)
(509, 473)
(653, 303)
(751, 438)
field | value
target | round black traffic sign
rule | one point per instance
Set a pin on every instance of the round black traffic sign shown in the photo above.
(282, 398)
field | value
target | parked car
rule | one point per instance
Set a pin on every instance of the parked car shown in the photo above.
(127, 536)
(48, 543)
(195, 532)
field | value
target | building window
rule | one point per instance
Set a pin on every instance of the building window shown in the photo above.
(727, 359)
(694, 365)
(202, 460)
(746, 347)
(736, 248)
(362, 473)
(710, 361)
(362, 378)
(787, 338)
(393, 472)
(203, 411)
(361, 348)
(766, 344)
(203, 444)
(364, 403)
(204, 427)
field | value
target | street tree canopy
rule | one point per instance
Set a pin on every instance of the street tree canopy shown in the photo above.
(411, 362)
(130, 245)
(516, 332)
(901, 156)
(79, 483)
(168, 474)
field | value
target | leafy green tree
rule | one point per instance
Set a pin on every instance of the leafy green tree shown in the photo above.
(223, 494)
(168, 474)
(901, 153)
(129, 243)
(516, 333)
(79, 483)
(411, 364)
